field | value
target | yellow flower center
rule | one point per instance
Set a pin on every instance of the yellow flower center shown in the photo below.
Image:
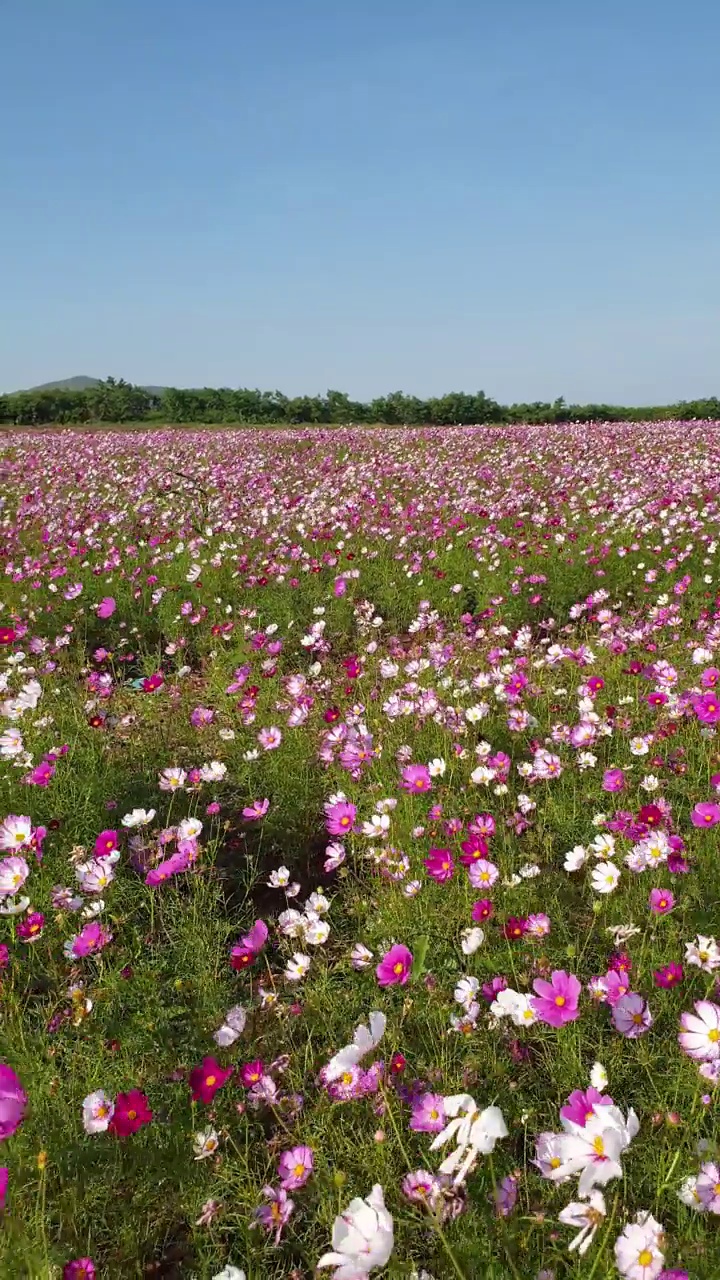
(299, 1170)
(598, 1146)
(132, 1115)
(714, 1035)
(645, 1258)
(210, 1080)
(398, 968)
(560, 1001)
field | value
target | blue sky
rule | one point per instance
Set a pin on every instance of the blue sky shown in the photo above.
(519, 196)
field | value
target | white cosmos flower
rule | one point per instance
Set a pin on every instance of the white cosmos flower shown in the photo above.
(297, 967)
(575, 859)
(605, 876)
(362, 1238)
(232, 1027)
(189, 829)
(703, 952)
(15, 833)
(470, 940)
(138, 817)
(230, 1273)
(599, 1077)
(436, 767)
(465, 991)
(638, 1255)
(363, 1041)
(205, 1143)
(593, 1150)
(514, 1005)
(475, 1133)
(688, 1193)
(97, 1109)
(213, 772)
(14, 906)
(587, 1216)
(314, 930)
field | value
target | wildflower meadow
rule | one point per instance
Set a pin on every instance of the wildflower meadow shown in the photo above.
(359, 875)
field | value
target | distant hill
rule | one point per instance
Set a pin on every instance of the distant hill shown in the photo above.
(81, 383)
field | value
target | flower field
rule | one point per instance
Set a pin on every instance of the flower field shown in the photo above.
(359, 875)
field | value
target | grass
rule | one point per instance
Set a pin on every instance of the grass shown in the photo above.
(496, 530)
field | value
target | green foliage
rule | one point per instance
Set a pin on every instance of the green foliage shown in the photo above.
(116, 400)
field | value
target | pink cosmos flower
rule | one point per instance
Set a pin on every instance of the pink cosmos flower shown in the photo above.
(91, 938)
(708, 1186)
(394, 968)
(295, 1167)
(613, 780)
(700, 1035)
(537, 925)
(579, 1106)
(439, 865)
(246, 952)
(340, 817)
(557, 1000)
(41, 776)
(257, 809)
(274, 1215)
(705, 814)
(416, 777)
(505, 1196)
(13, 1101)
(483, 874)
(165, 870)
(631, 1016)
(661, 901)
(200, 716)
(482, 909)
(428, 1113)
(106, 607)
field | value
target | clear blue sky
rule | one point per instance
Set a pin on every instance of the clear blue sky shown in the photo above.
(521, 196)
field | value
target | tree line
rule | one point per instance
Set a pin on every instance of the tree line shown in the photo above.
(115, 400)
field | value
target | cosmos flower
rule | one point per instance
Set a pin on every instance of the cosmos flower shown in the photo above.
(362, 1238)
(395, 966)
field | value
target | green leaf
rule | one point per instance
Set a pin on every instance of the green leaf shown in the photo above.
(420, 951)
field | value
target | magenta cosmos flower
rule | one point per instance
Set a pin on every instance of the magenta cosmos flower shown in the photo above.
(106, 843)
(439, 865)
(670, 975)
(705, 814)
(13, 1101)
(79, 1269)
(613, 780)
(295, 1167)
(707, 708)
(557, 1000)
(416, 777)
(91, 938)
(340, 817)
(631, 1016)
(106, 607)
(394, 968)
(206, 1079)
(580, 1104)
(661, 901)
